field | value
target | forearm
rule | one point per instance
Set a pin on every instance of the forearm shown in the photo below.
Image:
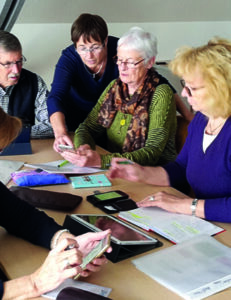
(20, 288)
(57, 120)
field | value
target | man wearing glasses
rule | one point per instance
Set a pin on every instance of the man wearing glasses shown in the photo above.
(22, 93)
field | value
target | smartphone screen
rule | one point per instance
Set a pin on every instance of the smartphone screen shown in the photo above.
(109, 196)
(66, 148)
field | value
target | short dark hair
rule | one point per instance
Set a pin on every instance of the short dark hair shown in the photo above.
(9, 42)
(89, 26)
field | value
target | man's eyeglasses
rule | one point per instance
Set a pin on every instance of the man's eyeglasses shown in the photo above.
(128, 64)
(10, 65)
(95, 49)
(189, 90)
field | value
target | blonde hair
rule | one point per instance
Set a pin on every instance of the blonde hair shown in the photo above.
(213, 61)
(10, 127)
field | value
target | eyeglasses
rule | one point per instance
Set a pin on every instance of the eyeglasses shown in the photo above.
(128, 64)
(189, 90)
(95, 49)
(10, 65)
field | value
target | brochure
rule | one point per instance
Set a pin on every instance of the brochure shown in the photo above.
(201, 267)
(174, 227)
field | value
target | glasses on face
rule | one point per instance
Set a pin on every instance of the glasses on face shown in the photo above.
(129, 64)
(19, 63)
(95, 49)
(189, 90)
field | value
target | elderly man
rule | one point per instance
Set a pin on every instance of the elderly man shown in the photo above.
(22, 93)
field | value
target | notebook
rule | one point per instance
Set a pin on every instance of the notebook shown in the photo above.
(89, 181)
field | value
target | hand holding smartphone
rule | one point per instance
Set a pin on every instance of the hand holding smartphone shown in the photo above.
(97, 251)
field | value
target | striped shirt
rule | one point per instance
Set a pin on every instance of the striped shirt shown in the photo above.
(42, 127)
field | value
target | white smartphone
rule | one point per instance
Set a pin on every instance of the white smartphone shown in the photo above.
(66, 148)
(97, 251)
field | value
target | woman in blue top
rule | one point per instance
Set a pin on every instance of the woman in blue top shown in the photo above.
(82, 73)
(205, 160)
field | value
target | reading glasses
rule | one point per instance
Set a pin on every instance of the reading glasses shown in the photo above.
(10, 65)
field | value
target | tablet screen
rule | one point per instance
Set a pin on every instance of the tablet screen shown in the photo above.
(119, 230)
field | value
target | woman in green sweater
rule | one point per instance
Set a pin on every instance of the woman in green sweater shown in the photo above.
(136, 111)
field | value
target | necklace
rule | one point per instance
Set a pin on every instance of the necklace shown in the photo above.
(94, 74)
(211, 131)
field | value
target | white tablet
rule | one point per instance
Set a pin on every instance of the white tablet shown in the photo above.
(121, 232)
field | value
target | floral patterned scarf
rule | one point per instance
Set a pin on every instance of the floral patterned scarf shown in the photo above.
(118, 99)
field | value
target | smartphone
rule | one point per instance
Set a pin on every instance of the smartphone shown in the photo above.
(97, 251)
(107, 197)
(66, 148)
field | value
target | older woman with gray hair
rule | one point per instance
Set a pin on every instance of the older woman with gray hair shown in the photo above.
(136, 111)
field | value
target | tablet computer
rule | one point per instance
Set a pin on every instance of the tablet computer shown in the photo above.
(121, 232)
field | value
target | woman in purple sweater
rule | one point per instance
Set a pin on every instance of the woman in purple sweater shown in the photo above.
(205, 160)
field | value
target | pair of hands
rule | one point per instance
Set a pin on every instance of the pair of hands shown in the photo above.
(84, 156)
(61, 263)
(150, 175)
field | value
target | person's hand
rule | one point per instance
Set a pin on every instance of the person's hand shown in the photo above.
(83, 157)
(168, 202)
(62, 140)
(86, 243)
(133, 172)
(59, 265)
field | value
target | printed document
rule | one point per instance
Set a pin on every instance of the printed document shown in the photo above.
(194, 269)
(174, 227)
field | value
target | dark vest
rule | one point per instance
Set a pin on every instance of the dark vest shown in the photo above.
(22, 98)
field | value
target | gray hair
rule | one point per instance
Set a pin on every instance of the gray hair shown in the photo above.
(142, 41)
(9, 42)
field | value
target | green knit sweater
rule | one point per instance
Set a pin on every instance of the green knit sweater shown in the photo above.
(160, 143)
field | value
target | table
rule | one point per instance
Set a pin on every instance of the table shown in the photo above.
(19, 257)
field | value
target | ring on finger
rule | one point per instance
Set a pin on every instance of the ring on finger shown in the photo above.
(151, 198)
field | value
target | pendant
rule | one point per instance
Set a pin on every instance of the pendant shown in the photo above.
(122, 123)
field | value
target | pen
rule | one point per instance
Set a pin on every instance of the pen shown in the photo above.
(63, 163)
(122, 162)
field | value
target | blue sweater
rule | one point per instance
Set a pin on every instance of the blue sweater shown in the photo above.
(23, 220)
(209, 173)
(74, 91)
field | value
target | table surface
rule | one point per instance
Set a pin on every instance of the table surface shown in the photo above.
(19, 257)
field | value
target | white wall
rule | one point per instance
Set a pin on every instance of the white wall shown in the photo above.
(43, 43)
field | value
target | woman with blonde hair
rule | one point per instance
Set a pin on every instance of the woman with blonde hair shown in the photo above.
(205, 160)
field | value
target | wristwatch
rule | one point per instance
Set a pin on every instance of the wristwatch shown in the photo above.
(194, 206)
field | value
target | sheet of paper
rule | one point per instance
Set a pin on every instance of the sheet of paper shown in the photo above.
(69, 168)
(7, 167)
(175, 227)
(97, 289)
(194, 269)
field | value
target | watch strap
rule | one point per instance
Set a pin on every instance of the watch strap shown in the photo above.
(194, 206)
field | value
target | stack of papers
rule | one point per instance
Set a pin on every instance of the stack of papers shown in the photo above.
(53, 167)
(7, 167)
(194, 269)
(174, 227)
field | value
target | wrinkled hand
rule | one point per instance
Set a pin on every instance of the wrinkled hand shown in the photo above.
(62, 140)
(84, 156)
(59, 265)
(134, 172)
(86, 243)
(168, 202)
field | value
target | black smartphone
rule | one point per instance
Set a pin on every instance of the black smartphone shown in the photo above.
(98, 199)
